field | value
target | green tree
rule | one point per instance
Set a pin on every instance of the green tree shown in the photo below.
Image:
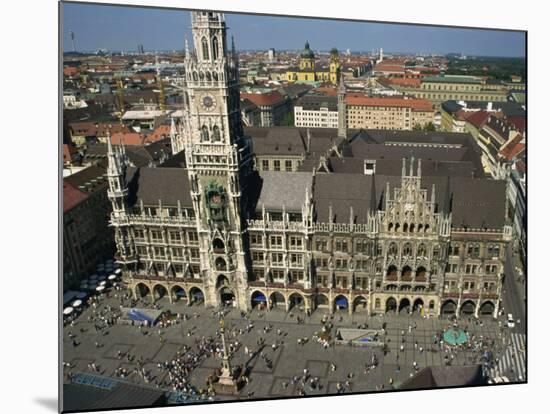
(429, 127)
(417, 127)
(288, 119)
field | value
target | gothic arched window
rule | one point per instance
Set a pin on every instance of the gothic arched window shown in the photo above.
(204, 43)
(208, 78)
(421, 250)
(216, 134)
(215, 76)
(214, 48)
(369, 248)
(204, 133)
(392, 249)
(407, 250)
(195, 76)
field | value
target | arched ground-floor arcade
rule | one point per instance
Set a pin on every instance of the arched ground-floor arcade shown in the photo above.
(262, 297)
(405, 303)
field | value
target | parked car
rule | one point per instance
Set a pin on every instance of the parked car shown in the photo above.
(510, 321)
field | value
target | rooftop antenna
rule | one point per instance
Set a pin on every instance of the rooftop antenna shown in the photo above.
(72, 40)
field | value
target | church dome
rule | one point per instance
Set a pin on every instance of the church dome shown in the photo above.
(307, 52)
(334, 51)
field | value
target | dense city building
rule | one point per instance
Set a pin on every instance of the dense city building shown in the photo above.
(316, 111)
(87, 238)
(438, 89)
(388, 113)
(273, 106)
(368, 220)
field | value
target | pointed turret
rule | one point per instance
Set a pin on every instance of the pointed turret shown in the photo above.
(187, 56)
(112, 156)
(115, 174)
(342, 127)
(373, 201)
(446, 208)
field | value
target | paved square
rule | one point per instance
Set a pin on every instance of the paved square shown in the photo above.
(409, 339)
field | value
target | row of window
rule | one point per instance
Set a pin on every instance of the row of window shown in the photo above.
(311, 124)
(468, 285)
(278, 275)
(407, 250)
(276, 165)
(474, 249)
(360, 109)
(174, 236)
(194, 270)
(296, 259)
(165, 211)
(275, 241)
(471, 268)
(408, 228)
(161, 252)
(297, 276)
(322, 264)
(454, 96)
(439, 87)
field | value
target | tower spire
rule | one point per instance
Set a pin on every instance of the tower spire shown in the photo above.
(122, 146)
(373, 203)
(342, 127)
(110, 152)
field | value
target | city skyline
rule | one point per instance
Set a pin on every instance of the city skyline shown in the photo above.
(119, 28)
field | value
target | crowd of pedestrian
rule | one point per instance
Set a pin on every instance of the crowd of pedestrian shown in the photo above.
(254, 342)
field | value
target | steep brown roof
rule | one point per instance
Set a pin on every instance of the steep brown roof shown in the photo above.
(72, 196)
(129, 138)
(478, 118)
(153, 184)
(277, 141)
(517, 121)
(87, 176)
(407, 82)
(513, 147)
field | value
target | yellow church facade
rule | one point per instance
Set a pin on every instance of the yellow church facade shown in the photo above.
(308, 71)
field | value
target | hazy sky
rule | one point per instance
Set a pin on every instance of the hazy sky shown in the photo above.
(124, 28)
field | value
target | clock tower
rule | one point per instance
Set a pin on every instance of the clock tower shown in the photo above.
(218, 158)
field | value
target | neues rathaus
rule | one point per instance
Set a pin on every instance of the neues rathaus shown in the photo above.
(365, 220)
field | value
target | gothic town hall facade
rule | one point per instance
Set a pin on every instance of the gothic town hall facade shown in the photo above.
(366, 221)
